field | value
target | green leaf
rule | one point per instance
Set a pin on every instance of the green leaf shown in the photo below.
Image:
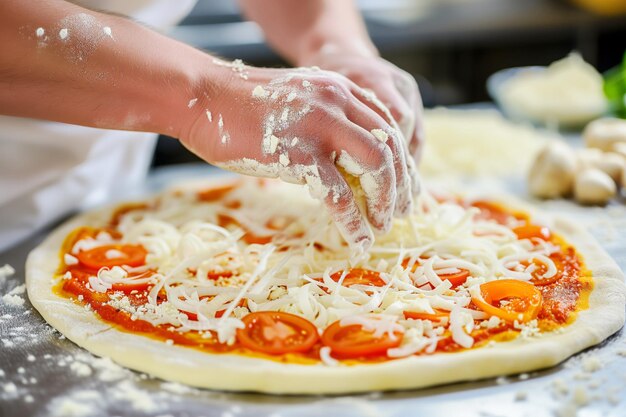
(615, 88)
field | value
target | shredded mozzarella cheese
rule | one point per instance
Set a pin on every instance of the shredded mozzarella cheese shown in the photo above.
(205, 268)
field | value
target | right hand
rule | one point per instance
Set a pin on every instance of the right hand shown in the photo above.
(309, 127)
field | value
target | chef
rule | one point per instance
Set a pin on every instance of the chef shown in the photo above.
(84, 94)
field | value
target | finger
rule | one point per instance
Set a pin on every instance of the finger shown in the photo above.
(398, 106)
(409, 89)
(372, 123)
(373, 103)
(342, 207)
(371, 100)
(363, 156)
(417, 138)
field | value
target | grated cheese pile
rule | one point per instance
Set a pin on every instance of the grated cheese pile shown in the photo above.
(185, 244)
(477, 142)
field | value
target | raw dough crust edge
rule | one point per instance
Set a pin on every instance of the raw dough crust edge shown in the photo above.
(604, 317)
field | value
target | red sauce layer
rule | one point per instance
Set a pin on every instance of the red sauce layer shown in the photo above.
(562, 296)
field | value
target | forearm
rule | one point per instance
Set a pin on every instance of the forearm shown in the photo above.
(298, 30)
(64, 63)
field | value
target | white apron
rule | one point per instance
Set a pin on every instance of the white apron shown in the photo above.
(48, 169)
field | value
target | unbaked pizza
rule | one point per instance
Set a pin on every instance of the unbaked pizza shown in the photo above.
(248, 285)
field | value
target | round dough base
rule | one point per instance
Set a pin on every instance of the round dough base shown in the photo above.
(240, 373)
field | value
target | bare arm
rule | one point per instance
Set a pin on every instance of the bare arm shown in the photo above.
(300, 29)
(65, 63)
(330, 34)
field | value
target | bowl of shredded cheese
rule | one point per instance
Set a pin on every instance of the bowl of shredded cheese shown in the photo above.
(567, 94)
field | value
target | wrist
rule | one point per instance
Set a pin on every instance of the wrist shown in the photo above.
(201, 95)
(187, 91)
(320, 43)
(320, 47)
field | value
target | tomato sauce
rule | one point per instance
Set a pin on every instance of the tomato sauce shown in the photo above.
(562, 297)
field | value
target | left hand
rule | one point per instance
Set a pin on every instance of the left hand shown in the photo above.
(394, 87)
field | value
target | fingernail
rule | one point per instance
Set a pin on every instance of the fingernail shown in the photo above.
(405, 208)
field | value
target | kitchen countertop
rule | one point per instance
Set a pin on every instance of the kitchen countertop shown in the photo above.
(43, 374)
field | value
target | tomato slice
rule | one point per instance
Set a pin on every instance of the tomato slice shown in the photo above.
(277, 333)
(495, 212)
(352, 341)
(96, 258)
(541, 269)
(405, 264)
(194, 316)
(530, 231)
(250, 238)
(216, 193)
(425, 316)
(456, 278)
(218, 313)
(215, 275)
(359, 276)
(523, 299)
(125, 209)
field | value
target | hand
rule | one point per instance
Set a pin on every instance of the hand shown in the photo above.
(395, 88)
(308, 127)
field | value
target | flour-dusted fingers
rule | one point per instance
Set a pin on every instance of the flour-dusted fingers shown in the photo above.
(281, 123)
(364, 156)
(372, 101)
(380, 129)
(408, 88)
(342, 206)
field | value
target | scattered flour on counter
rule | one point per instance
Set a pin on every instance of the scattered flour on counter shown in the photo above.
(176, 388)
(108, 370)
(20, 289)
(138, 399)
(521, 396)
(13, 300)
(80, 369)
(501, 380)
(10, 388)
(82, 403)
(591, 364)
(5, 272)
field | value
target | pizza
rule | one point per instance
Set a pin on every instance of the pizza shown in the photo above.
(247, 285)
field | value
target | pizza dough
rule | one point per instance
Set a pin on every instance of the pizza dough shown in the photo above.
(604, 317)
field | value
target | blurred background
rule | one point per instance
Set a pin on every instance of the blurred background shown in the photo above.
(450, 46)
